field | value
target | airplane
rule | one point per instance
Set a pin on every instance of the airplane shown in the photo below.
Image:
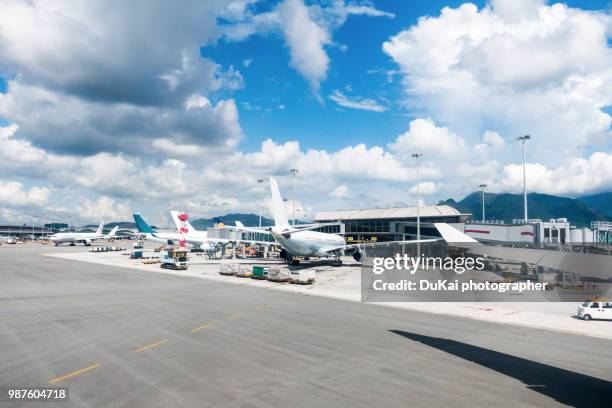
(84, 237)
(196, 238)
(588, 267)
(151, 234)
(302, 241)
(193, 236)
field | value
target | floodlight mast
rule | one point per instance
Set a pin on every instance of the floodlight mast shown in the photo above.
(416, 156)
(482, 187)
(259, 181)
(293, 172)
(524, 139)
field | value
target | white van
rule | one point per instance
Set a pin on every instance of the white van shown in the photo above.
(595, 309)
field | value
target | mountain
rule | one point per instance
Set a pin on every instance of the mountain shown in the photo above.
(121, 225)
(110, 225)
(601, 202)
(507, 207)
(249, 220)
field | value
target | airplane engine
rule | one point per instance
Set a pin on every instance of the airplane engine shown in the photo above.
(357, 255)
(283, 254)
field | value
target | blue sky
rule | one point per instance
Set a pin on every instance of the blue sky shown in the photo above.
(271, 82)
(149, 108)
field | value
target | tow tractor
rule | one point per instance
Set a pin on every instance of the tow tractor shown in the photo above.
(173, 259)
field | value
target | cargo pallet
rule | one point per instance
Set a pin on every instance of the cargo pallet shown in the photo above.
(298, 282)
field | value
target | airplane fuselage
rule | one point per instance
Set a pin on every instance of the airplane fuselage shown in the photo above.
(74, 237)
(199, 239)
(309, 243)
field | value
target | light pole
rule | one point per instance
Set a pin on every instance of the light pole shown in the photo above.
(416, 156)
(34, 217)
(294, 172)
(524, 139)
(259, 181)
(483, 186)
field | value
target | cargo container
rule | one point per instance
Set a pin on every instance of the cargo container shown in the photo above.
(302, 276)
(278, 274)
(260, 272)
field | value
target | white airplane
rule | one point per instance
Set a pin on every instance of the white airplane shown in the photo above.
(192, 236)
(195, 237)
(587, 266)
(151, 234)
(302, 241)
(83, 237)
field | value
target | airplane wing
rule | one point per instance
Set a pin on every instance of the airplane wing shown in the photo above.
(387, 243)
(582, 264)
(240, 227)
(375, 244)
(304, 227)
(453, 235)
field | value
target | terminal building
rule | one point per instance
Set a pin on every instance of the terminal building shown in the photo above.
(395, 224)
(388, 224)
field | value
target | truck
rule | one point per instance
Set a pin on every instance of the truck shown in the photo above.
(173, 259)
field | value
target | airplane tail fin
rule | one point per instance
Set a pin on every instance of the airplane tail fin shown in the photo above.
(100, 227)
(239, 225)
(113, 232)
(453, 235)
(278, 206)
(142, 225)
(177, 222)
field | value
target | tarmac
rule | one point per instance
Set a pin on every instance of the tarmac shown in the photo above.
(125, 337)
(344, 282)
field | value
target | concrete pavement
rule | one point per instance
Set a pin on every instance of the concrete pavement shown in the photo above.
(125, 337)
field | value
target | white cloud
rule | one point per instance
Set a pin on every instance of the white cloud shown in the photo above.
(104, 53)
(96, 83)
(423, 136)
(341, 191)
(425, 188)
(493, 140)
(578, 176)
(367, 8)
(89, 127)
(356, 102)
(307, 30)
(14, 195)
(103, 209)
(305, 39)
(173, 148)
(513, 67)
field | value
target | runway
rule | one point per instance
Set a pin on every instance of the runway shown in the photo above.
(124, 337)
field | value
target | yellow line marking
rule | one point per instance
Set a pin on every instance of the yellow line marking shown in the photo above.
(202, 327)
(150, 346)
(237, 315)
(81, 371)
